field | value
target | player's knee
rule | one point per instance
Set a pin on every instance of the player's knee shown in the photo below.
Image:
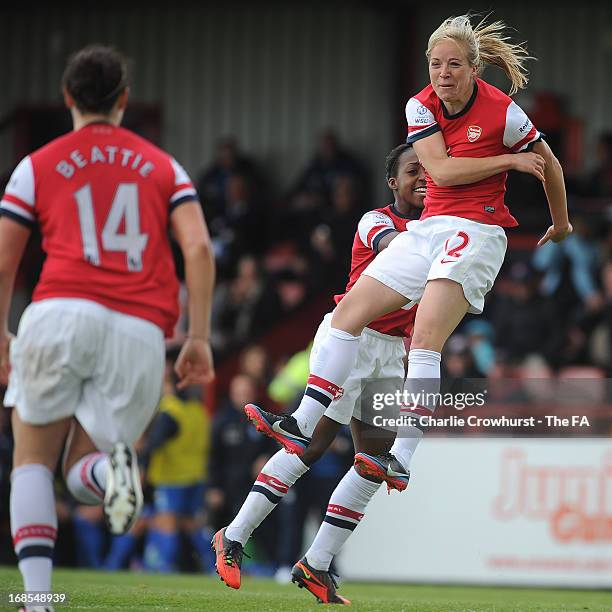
(349, 319)
(427, 338)
(78, 489)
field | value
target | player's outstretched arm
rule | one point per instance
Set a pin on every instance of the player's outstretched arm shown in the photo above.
(448, 171)
(13, 239)
(554, 186)
(194, 364)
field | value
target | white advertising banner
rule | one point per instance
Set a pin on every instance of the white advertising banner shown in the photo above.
(499, 511)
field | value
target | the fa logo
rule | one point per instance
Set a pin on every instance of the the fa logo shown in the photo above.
(474, 132)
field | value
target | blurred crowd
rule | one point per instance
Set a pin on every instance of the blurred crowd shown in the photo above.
(549, 312)
(275, 250)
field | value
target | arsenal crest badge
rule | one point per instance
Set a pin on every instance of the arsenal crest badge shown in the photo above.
(474, 132)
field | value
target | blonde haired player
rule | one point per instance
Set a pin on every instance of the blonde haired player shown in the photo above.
(89, 353)
(467, 134)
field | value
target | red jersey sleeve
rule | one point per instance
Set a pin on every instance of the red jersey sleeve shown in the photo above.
(372, 227)
(519, 132)
(18, 201)
(421, 120)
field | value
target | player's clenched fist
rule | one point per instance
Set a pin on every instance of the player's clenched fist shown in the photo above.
(194, 365)
(531, 163)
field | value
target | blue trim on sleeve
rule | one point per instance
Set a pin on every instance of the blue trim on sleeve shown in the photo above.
(380, 236)
(18, 218)
(188, 198)
(529, 146)
(412, 138)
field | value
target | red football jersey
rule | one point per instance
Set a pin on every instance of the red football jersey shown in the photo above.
(102, 197)
(490, 124)
(372, 227)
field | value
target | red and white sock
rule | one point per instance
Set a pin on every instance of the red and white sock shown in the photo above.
(86, 479)
(422, 382)
(33, 524)
(331, 367)
(346, 508)
(276, 477)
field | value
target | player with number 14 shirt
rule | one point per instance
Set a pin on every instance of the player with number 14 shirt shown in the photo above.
(85, 369)
(105, 233)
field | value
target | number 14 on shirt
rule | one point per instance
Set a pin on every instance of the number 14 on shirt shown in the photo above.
(124, 207)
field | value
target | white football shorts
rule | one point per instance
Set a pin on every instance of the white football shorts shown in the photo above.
(74, 357)
(379, 356)
(443, 246)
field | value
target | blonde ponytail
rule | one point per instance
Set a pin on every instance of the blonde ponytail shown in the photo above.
(485, 44)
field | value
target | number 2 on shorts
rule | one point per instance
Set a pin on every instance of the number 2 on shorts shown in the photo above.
(456, 251)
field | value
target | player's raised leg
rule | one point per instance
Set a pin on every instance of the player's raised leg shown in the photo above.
(442, 307)
(331, 365)
(95, 477)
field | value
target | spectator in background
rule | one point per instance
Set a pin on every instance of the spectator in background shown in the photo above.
(332, 238)
(571, 282)
(175, 460)
(89, 535)
(599, 182)
(521, 318)
(237, 455)
(291, 289)
(124, 549)
(313, 191)
(607, 287)
(480, 336)
(254, 363)
(242, 226)
(288, 385)
(242, 306)
(458, 362)
(213, 183)
(581, 254)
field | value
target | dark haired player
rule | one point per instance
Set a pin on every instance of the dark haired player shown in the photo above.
(381, 354)
(89, 353)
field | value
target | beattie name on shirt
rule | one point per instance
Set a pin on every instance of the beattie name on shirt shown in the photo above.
(108, 154)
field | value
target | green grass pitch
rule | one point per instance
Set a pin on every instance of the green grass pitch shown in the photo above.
(140, 592)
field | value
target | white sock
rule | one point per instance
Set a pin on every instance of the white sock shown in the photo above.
(346, 507)
(330, 368)
(280, 472)
(86, 479)
(33, 524)
(422, 382)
